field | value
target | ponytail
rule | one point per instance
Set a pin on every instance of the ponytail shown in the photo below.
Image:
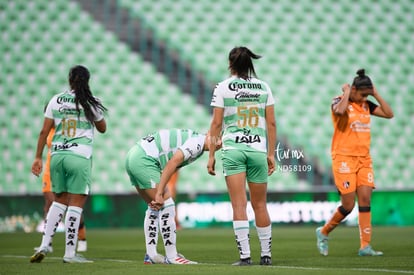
(79, 83)
(240, 62)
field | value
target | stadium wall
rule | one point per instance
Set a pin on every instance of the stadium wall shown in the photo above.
(23, 213)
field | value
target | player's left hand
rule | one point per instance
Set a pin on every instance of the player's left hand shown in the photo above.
(271, 165)
(157, 202)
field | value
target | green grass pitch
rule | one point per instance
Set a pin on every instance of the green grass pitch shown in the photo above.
(121, 251)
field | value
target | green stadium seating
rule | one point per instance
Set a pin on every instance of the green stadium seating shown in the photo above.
(308, 50)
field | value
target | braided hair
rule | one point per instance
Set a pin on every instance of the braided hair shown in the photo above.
(79, 83)
(240, 62)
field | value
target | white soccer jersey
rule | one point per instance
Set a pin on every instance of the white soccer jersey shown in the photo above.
(244, 103)
(163, 144)
(73, 133)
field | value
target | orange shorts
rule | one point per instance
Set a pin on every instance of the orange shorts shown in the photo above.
(350, 172)
(46, 182)
(172, 183)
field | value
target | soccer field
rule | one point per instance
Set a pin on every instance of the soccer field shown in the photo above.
(294, 251)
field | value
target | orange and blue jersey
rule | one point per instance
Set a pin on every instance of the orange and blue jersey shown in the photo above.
(352, 131)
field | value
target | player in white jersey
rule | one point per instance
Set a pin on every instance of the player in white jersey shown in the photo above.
(244, 113)
(74, 115)
(150, 164)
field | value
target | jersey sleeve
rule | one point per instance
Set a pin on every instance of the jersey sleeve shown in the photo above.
(98, 112)
(270, 98)
(193, 147)
(49, 112)
(372, 106)
(217, 99)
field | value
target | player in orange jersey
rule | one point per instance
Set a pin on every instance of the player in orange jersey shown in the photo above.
(351, 160)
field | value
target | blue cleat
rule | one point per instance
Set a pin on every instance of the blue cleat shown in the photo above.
(321, 242)
(368, 251)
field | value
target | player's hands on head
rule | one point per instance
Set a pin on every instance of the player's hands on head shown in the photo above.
(346, 88)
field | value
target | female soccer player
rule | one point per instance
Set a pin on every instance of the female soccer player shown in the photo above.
(351, 159)
(74, 114)
(244, 110)
(49, 198)
(150, 164)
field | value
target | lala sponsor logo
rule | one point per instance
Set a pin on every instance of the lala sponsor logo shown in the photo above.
(247, 138)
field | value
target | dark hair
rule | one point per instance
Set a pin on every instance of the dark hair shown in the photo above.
(79, 82)
(240, 59)
(362, 81)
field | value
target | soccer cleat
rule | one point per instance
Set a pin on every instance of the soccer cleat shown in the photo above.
(82, 246)
(246, 261)
(77, 259)
(321, 242)
(39, 255)
(265, 260)
(49, 249)
(158, 259)
(180, 259)
(368, 251)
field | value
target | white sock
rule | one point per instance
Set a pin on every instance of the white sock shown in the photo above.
(72, 220)
(265, 238)
(53, 217)
(241, 231)
(168, 228)
(151, 231)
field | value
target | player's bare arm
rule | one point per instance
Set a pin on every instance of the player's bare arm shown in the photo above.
(340, 108)
(271, 138)
(37, 165)
(215, 128)
(171, 167)
(384, 109)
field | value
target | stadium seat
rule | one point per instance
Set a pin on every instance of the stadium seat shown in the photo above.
(307, 56)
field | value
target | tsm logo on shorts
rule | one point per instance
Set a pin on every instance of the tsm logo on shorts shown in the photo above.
(346, 184)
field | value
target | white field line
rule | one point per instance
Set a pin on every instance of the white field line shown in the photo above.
(273, 266)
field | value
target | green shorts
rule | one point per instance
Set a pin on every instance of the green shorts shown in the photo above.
(252, 162)
(70, 173)
(143, 171)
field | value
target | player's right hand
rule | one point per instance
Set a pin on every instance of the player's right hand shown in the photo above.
(37, 167)
(211, 166)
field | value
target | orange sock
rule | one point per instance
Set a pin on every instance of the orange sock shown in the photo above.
(365, 228)
(82, 232)
(336, 219)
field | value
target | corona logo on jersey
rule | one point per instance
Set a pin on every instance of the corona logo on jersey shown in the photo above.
(235, 86)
